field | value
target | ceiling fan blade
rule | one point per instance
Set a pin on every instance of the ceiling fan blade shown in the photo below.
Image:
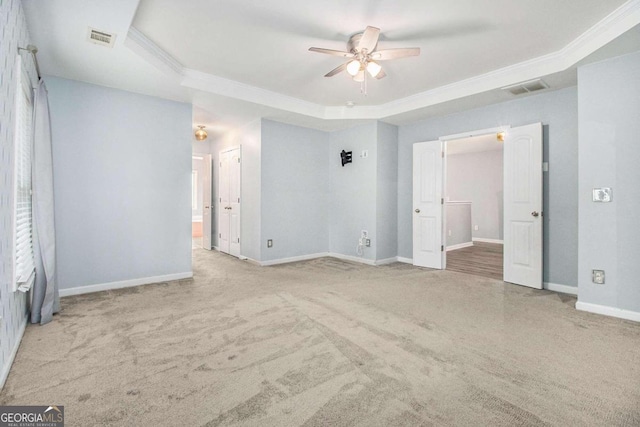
(337, 70)
(331, 52)
(369, 39)
(381, 74)
(387, 54)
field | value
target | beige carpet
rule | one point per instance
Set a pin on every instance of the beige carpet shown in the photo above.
(327, 342)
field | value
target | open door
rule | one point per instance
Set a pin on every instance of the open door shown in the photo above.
(427, 204)
(207, 208)
(229, 206)
(523, 206)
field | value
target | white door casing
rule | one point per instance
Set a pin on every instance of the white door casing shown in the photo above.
(229, 202)
(207, 207)
(427, 204)
(523, 206)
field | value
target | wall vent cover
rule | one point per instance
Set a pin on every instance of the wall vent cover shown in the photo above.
(101, 37)
(526, 87)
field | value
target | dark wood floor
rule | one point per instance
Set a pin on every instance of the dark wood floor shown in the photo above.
(481, 259)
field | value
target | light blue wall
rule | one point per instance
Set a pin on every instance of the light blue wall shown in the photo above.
(248, 138)
(295, 190)
(353, 190)
(477, 178)
(387, 191)
(122, 180)
(559, 114)
(609, 106)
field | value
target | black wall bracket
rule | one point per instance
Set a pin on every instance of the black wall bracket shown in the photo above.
(346, 157)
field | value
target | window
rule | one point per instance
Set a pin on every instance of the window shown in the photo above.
(194, 190)
(24, 269)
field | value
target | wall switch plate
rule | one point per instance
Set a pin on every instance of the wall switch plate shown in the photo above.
(597, 277)
(270, 243)
(475, 227)
(367, 242)
(602, 195)
(364, 154)
(364, 234)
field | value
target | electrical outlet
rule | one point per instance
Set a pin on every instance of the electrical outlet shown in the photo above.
(367, 242)
(475, 227)
(597, 277)
(270, 243)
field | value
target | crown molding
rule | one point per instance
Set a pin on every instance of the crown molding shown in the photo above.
(151, 52)
(612, 26)
(233, 89)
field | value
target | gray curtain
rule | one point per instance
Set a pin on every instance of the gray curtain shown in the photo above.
(45, 300)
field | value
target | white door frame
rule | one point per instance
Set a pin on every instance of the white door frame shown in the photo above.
(445, 140)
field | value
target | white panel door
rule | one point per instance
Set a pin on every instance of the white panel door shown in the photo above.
(229, 202)
(427, 204)
(523, 206)
(207, 208)
(234, 202)
(224, 217)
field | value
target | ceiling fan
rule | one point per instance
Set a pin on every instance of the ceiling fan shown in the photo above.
(363, 56)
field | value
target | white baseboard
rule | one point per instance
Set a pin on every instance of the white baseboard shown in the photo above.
(483, 240)
(564, 289)
(294, 259)
(608, 311)
(405, 260)
(124, 284)
(459, 246)
(352, 258)
(387, 261)
(7, 366)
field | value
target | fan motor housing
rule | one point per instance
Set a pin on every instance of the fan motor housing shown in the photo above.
(354, 41)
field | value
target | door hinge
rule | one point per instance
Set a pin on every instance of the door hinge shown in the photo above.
(442, 248)
(220, 235)
(442, 154)
(442, 201)
(220, 164)
(220, 199)
(238, 160)
(238, 199)
(238, 240)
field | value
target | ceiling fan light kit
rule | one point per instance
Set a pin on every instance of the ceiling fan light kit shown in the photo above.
(363, 56)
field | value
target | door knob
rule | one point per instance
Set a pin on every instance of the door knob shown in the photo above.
(417, 210)
(535, 214)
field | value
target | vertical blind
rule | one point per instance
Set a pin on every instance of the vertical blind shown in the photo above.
(24, 260)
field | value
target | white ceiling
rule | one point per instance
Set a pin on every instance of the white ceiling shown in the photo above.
(240, 60)
(265, 43)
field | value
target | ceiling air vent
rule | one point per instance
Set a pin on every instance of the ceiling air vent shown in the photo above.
(101, 37)
(526, 87)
